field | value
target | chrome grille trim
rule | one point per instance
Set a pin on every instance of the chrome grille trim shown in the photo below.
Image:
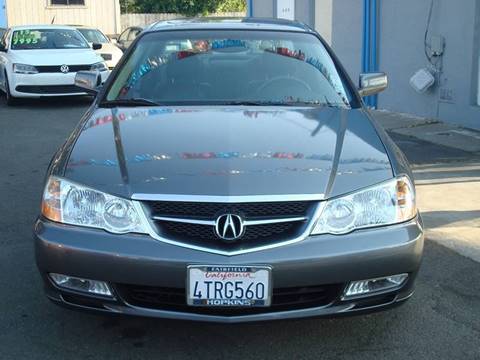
(185, 221)
(149, 225)
(228, 199)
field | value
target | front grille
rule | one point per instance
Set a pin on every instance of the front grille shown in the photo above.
(174, 299)
(49, 89)
(56, 68)
(254, 235)
(205, 235)
(210, 210)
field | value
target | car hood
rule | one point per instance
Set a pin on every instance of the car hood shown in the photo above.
(233, 151)
(56, 57)
(109, 48)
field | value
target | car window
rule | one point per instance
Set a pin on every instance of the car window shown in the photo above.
(3, 38)
(94, 36)
(217, 67)
(133, 34)
(124, 35)
(2, 34)
(35, 39)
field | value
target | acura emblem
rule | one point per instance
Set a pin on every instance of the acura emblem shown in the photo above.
(229, 227)
(64, 69)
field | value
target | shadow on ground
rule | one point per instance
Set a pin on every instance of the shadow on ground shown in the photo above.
(444, 218)
(49, 102)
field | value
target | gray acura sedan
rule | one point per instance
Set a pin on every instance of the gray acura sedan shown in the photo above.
(228, 171)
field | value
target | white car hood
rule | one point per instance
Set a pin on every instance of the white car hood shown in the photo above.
(56, 57)
(109, 48)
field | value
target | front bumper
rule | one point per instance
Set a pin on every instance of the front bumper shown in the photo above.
(46, 84)
(143, 261)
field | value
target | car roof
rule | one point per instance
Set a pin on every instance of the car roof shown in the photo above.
(84, 27)
(32, 27)
(225, 23)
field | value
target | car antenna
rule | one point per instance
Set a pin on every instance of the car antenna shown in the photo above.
(53, 20)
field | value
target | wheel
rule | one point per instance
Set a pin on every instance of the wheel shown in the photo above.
(11, 100)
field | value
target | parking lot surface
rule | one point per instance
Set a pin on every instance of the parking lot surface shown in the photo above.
(441, 321)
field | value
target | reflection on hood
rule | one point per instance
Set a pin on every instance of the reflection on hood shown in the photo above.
(228, 151)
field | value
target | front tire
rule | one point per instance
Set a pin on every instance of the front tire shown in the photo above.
(11, 100)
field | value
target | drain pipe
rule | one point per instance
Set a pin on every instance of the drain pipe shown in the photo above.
(370, 43)
(374, 45)
(250, 8)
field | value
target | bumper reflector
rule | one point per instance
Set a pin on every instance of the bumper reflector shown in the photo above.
(372, 286)
(83, 285)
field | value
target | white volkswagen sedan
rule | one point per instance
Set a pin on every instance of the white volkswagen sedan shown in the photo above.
(42, 60)
(109, 51)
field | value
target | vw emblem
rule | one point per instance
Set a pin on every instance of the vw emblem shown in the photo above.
(64, 69)
(229, 227)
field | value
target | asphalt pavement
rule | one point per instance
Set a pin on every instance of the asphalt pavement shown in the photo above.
(441, 321)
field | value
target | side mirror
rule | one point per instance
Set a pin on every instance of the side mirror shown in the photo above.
(96, 46)
(3, 48)
(372, 83)
(89, 81)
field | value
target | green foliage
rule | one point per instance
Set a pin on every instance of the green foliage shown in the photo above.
(232, 6)
(129, 6)
(184, 7)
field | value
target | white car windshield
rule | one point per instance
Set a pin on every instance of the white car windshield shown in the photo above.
(94, 36)
(37, 39)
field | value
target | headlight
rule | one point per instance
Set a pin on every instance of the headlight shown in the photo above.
(70, 203)
(100, 66)
(388, 203)
(24, 69)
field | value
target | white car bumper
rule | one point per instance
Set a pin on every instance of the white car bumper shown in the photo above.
(46, 84)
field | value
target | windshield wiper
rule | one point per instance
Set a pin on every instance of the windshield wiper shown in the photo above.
(284, 103)
(257, 103)
(127, 103)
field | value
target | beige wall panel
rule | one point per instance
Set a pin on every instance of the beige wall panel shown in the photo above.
(104, 14)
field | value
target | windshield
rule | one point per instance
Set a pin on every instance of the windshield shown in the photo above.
(47, 39)
(230, 67)
(94, 36)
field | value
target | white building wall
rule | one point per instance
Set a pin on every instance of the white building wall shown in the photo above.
(323, 19)
(347, 35)
(103, 14)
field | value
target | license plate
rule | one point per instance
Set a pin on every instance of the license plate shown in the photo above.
(229, 286)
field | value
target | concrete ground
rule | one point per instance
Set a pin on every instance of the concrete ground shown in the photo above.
(441, 321)
(448, 180)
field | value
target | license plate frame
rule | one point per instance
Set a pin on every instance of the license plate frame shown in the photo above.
(192, 301)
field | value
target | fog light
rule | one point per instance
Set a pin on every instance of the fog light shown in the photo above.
(372, 286)
(83, 285)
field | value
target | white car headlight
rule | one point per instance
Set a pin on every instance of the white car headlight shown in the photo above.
(24, 69)
(388, 203)
(100, 66)
(74, 204)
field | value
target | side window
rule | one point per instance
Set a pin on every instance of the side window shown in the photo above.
(133, 34)
(4, 39)
(123, 36)
(67, 2)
